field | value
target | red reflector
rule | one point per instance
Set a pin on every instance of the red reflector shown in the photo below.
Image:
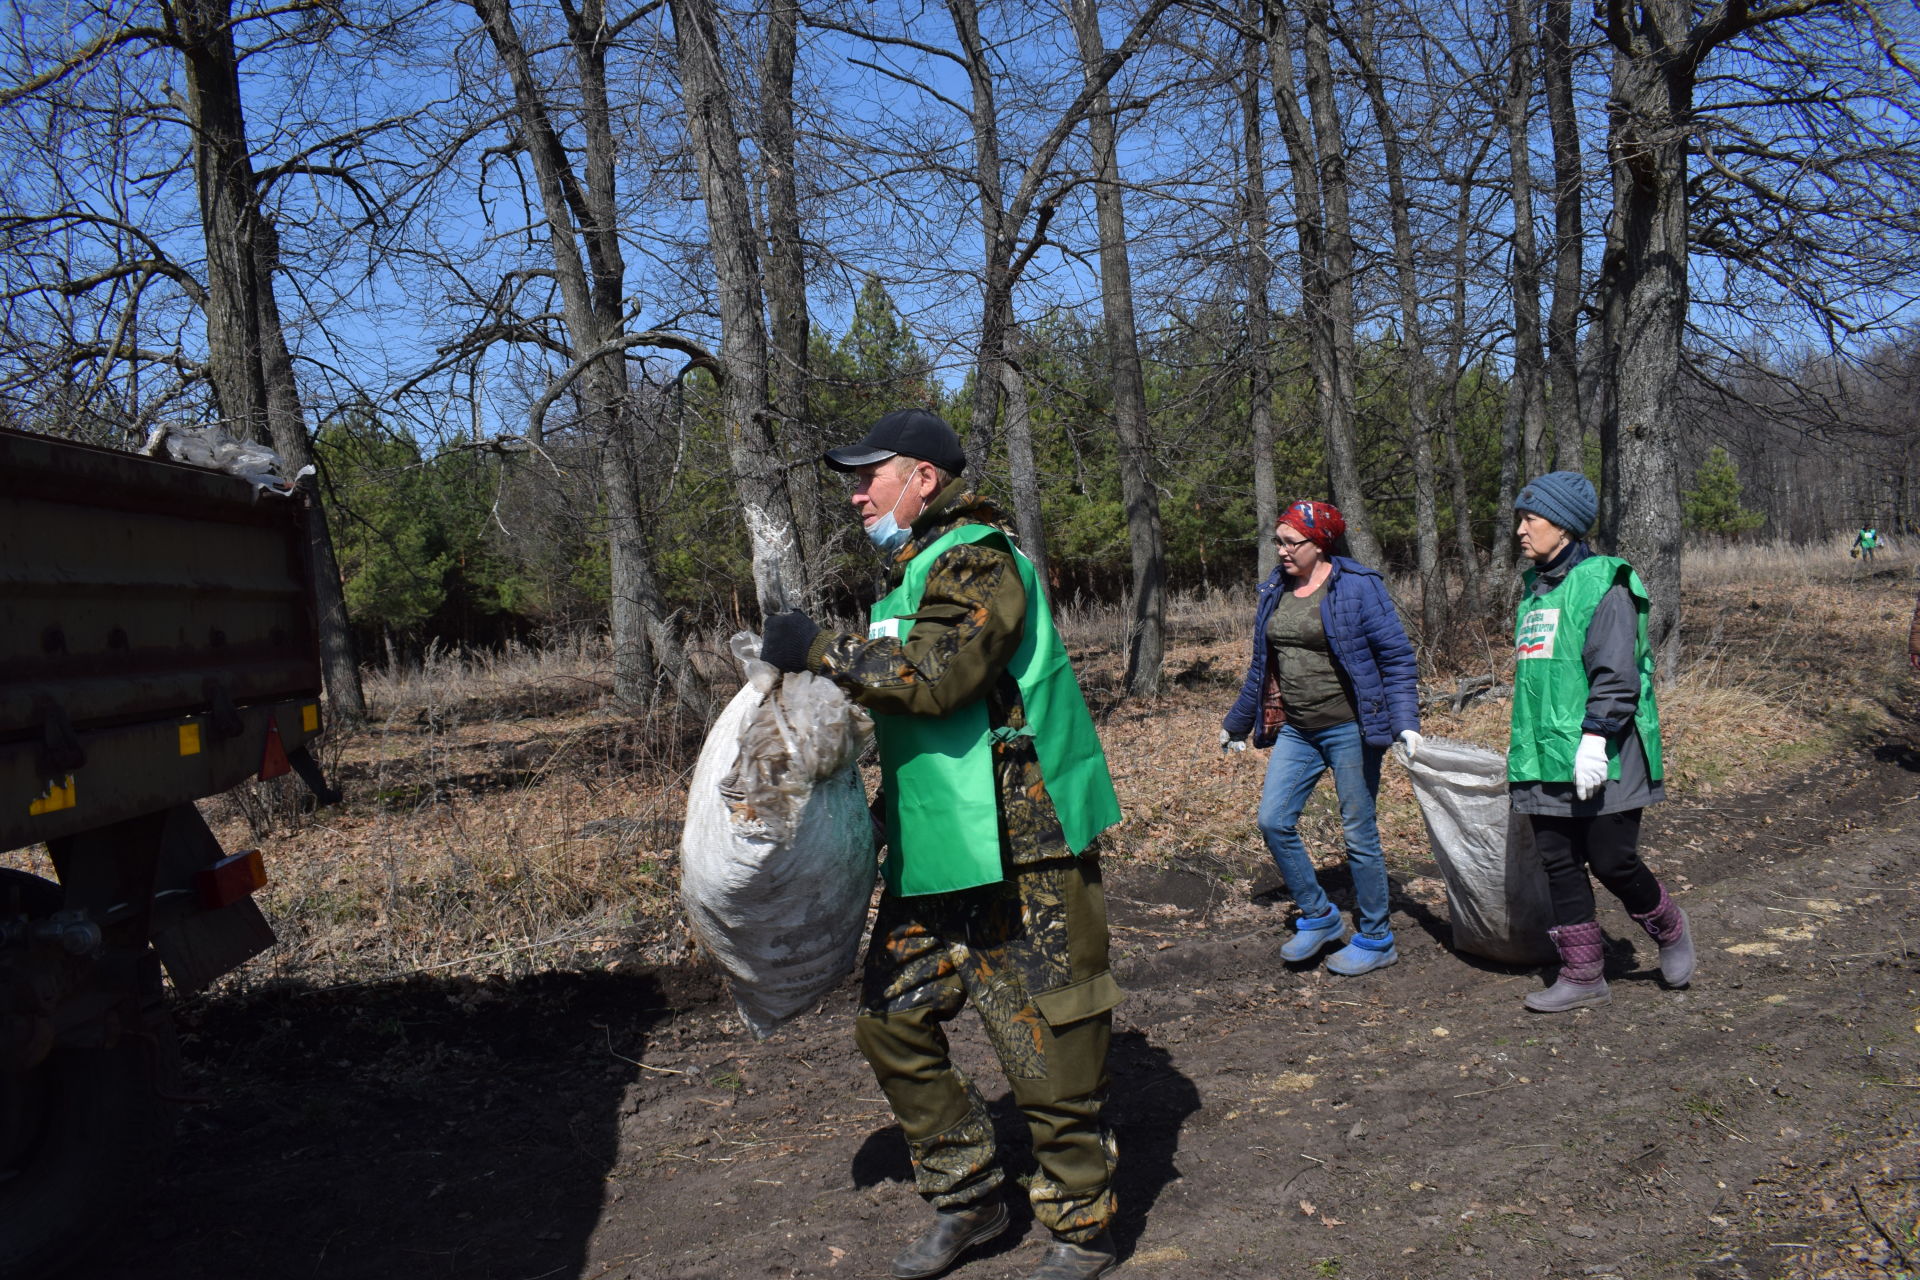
(273, 760)
(230, 879)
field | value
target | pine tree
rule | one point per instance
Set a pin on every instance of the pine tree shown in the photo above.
(1713, 504)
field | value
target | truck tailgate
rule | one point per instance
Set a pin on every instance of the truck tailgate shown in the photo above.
(155, 620)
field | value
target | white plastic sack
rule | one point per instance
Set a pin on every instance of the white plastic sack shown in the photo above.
(1496, 887)
(777, 861)
(214, 449)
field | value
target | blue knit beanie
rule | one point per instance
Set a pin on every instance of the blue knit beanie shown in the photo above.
(1564, 497)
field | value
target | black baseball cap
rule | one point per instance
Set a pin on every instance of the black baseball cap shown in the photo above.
(912, 432)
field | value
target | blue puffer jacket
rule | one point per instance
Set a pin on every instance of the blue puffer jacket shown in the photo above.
(1368, 643)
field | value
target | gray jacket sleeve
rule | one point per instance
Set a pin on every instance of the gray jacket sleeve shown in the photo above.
(1613, 681)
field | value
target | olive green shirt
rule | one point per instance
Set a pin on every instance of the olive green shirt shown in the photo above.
(1311, 686)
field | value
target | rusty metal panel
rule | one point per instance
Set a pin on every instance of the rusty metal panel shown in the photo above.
(133, 769)
(133, 588)
(153, 618)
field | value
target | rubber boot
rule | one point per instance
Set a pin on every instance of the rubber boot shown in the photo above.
(952, 1234)
(1311, 937)
(1667, 925)
(1066, 1261)
(1580, 984)
(1362, 955)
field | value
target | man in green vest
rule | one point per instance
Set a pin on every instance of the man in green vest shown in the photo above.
(993, 789)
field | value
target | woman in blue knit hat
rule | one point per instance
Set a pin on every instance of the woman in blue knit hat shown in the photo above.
(1584, 757)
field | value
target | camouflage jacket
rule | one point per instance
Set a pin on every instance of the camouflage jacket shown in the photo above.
(969, 624)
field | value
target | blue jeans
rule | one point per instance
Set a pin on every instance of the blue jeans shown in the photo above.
(1299, 758)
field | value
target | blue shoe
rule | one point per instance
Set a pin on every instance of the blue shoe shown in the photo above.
(1363, 955)
(1311, 937)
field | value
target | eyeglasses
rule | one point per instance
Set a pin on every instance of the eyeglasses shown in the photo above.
(1292, 545)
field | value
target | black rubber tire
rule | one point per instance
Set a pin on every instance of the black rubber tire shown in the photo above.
(80, 1133)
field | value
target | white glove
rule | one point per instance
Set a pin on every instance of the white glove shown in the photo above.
(1589, 766)
(1411, 740)
(1230, 743)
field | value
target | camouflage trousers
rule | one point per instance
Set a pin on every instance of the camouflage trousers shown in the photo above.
(1030, 953)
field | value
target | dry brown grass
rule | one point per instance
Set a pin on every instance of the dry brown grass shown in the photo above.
(503, 815)
(1709, 563)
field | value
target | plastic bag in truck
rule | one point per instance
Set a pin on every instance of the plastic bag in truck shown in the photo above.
(1496, 887)
(777, 860)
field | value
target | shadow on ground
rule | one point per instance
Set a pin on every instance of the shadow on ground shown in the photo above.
(445, 1128)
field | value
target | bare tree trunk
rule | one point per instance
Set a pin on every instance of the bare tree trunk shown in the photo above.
(224, 180)
(1003, 218)
(251, 368)
(1500, 554)
(1257, 221)
(1146, 630)
(996, 248)
(1317, 161)
(1331, 152)
(1563, 321)
(1643, 291)
(1414, 363)
(1529, 362)
(339, 656)
(787, 281)
(629, 575)
(779, 575)
(1023, 471)
(1471, 587)
(581, 220)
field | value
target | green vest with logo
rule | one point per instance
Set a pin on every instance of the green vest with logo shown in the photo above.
(942, 810)
(1550, 677)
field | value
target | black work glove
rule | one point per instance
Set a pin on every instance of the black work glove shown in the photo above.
(785, 639)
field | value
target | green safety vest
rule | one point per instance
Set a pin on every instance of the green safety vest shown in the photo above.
(943, 814)
(1550, 677)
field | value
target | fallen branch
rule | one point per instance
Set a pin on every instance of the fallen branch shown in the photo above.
(1724, 1125)
(665, 1071)
(1512, 1083)
(1875, 1224)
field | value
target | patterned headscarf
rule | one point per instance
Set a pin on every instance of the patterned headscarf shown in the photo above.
(1318, 522)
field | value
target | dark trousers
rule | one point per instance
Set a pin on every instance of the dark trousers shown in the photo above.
(1609, 845)
(1030, 955)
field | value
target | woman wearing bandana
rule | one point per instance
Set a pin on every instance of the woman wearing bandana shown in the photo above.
(1331, 686)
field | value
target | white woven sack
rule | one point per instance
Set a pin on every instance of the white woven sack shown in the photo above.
(1496, 887)
(777, 861)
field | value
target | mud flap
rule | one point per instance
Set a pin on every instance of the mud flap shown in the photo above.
(203, 946)
(309, 770)
(200, 945)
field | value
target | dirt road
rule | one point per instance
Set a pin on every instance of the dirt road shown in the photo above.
(1272, 1122)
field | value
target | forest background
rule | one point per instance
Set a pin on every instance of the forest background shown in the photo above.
(565, 299)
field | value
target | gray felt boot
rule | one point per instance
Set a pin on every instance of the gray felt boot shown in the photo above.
(1580, 984)
(1666, 924)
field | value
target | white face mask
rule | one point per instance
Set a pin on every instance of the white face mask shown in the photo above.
(886, 533)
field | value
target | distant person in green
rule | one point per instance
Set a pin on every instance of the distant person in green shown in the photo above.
(994, 787)
(1865, 542)
(1584, 756)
